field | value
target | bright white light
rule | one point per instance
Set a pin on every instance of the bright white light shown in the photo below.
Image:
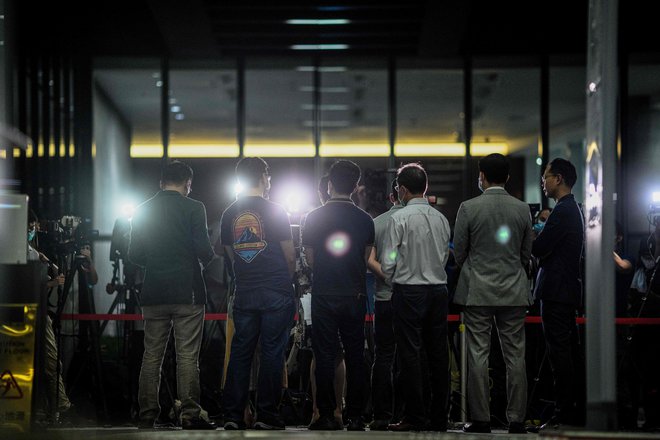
(318, 22)
(238, 189)
(293, 203)
(656, 197)
(176, 108)
(179, 117)
(539, 161)
(319, 47)
(127, 209)
(159, 84)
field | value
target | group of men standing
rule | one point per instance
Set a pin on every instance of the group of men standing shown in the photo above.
(407, 248)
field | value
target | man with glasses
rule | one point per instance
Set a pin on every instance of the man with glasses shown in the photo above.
(416, 249)
(558, 285)
(256, 236)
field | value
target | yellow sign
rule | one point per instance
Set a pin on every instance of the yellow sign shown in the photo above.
(17, 338)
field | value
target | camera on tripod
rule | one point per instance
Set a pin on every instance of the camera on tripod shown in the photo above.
(654, 209)
(67, 236)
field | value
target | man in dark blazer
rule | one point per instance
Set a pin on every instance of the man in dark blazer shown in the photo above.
(493, 245)
(558, 285)
(169, 238)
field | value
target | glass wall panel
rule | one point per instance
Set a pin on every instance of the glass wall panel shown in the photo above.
(568, 107)
(202, 103)
(136, 93)
(641, 154)
(279, 108)
(506, 112)
(354, 108)
(429, 110)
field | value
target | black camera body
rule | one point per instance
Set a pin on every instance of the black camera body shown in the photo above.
(654, 213)
(66, 235)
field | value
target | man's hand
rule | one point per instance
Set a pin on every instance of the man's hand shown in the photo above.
(57, 281)
(87, 254)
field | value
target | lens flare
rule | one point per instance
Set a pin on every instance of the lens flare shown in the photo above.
(503, 234)
(338, 244)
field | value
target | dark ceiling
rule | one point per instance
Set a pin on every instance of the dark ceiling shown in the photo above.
(206, 29)
(212, 28)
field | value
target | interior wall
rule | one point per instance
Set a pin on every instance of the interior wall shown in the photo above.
(112, 179)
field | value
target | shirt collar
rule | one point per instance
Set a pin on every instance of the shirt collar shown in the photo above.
(417, 201)
(494, 187)
(340, 199)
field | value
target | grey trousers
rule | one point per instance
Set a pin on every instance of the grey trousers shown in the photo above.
(510, 322)
(188, 323)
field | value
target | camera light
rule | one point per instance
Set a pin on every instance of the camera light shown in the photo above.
(656, 197)
(238, 189)
(127, 210)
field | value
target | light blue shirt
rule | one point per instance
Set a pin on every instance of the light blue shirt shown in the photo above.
(416, 245)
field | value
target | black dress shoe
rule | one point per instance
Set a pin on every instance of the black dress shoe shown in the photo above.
(477, 427)
(404, 426)
(355, 424)
(379, 425)
(197, 423)
(517, 428)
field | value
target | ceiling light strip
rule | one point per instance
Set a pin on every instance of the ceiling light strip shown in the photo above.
(354, 150)
(279, 150)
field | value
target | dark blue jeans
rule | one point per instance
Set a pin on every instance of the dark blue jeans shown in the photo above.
(420, 324)
(264, 316)
(343, 314)
(381, 373)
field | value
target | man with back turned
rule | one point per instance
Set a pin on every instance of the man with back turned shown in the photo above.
(169, 238)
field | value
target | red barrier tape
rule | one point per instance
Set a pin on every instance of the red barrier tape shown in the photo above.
(367, 318)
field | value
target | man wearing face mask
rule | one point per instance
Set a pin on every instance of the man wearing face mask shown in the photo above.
(416, 249)
(493, 244)
(169, 238)
(558, 284)
(540, 219)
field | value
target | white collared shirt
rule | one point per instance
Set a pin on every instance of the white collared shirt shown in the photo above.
(416, 246)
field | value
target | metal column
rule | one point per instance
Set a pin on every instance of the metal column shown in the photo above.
(599, 212)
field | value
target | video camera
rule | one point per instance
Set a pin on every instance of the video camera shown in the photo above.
(654, 209)
(66, 235)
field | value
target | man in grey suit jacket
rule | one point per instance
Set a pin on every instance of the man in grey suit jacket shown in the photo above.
(169, 238)
(493, 243)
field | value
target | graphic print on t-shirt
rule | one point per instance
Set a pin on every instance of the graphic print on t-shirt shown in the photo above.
(248, 236)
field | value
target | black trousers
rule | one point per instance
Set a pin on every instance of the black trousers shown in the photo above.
(558, 330)
(381, 373)
(420, 324)
(344, 314)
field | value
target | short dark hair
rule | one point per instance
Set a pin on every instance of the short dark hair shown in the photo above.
(249, 170)
(495, 167)
(393, 190)
(565, 169)
(323, 188)
(344, 176)
(413, 177)
(176, 173)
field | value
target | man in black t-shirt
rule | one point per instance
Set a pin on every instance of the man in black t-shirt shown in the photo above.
(256, 235)
(338, 238)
